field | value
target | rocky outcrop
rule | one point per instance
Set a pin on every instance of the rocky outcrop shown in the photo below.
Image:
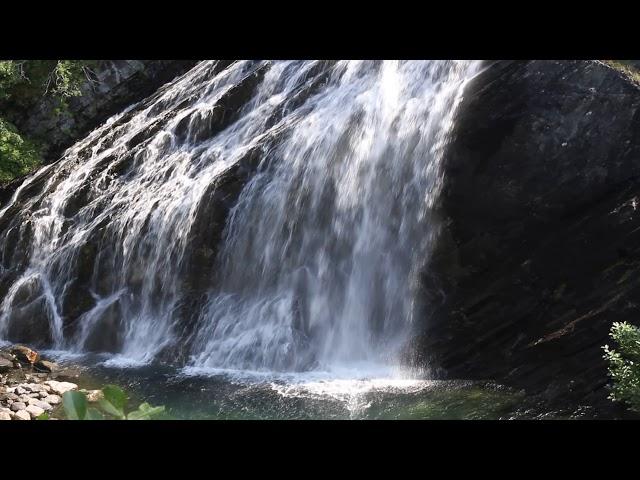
(113, 86)
(539, 251)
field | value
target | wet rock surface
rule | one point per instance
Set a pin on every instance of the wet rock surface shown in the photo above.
(539, 250)
(91, 269)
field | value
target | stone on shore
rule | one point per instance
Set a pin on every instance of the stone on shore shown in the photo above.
(52, 399)
(31, 386)
(5, 365)
(67, 374)
(93, 395)
(34, 411)
(45, 366)
(22, 415)
(60, 388)
(25, 354)
(40, 403)
(15, 406)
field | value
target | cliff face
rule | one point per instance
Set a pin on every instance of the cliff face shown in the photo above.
(539, 251)
(115, 85)
(540, 247)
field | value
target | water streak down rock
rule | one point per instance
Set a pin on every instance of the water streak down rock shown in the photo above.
(251, 215)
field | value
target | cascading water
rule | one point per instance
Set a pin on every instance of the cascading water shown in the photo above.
(255, 215)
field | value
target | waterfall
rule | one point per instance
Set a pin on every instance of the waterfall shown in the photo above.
(250, 215)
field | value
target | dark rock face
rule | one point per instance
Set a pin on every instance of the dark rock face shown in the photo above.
(540, 245)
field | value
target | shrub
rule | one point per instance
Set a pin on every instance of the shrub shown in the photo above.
(24, 83)
(624, 364)
(18, 156)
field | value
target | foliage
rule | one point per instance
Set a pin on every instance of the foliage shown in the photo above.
(624, 364)
(18, 156)
(23, 84)
(113, 405)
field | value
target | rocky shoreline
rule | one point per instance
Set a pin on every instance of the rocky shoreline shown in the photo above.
(31, 386)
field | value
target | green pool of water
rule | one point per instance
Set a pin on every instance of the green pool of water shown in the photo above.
(226, 396)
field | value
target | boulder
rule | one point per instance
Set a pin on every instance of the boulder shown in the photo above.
(67, 373)
(22, 415)
(93, 395)
(33, 387)
(60, 388)
(5, 365)
(52, 399)
(15, 406)
(25, 354)
(6, 355)
(43, 405)
(5, 416)
(34, 411)
(45, 366)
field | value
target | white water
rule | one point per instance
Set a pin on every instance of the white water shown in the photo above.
(320, 255)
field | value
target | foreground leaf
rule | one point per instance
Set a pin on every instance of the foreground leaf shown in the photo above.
(145, 412)
(114, 401)
(75, 405)
(93, 414)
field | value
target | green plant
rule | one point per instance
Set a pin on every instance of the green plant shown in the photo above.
(24, 84)
(624, 364)
(112, 404)
(18, 156)
(27, 81)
